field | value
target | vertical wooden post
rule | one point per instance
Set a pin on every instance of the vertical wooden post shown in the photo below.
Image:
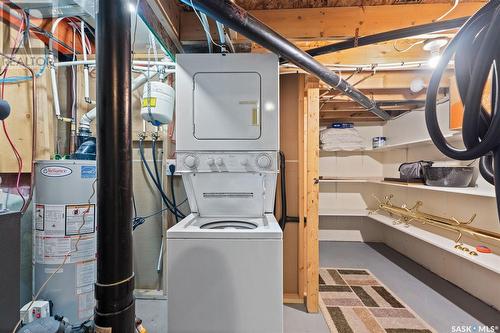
(312, 247)
(301, 134)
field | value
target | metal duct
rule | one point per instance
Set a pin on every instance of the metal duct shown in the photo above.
(236, 18)
(115, 306)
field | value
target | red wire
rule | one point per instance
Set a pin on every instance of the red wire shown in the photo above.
(14, 149)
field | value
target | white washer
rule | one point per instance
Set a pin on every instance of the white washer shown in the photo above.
(225, 275)
(225, 260)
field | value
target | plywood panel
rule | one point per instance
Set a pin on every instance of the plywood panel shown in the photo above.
(291, 92)
(19, 123)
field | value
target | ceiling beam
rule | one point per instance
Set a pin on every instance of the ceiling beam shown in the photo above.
(332, 23)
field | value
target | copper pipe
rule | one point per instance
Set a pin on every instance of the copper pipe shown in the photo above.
(34, 117)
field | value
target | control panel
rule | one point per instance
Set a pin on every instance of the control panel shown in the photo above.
(227, 162)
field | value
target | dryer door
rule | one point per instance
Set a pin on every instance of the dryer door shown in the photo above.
(227, 106)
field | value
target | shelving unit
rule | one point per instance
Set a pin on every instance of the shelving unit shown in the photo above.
(489, 261)
(351, 177)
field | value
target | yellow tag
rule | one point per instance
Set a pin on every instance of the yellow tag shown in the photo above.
(255, 120)
(149, 102)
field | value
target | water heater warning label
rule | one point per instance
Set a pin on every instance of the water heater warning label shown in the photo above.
(86, 305)
(85, 275)
(83, 249)
(53, 220)
(39, 217)
(80, 219)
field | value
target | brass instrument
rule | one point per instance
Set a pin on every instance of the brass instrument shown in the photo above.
(407, 215)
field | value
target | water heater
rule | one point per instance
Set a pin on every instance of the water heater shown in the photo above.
(64, 236)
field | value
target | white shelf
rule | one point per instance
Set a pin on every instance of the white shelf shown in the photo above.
(490, 261)
(344, 212)
(454, 137)
(477, 191)
(349, 180)
(484, 191)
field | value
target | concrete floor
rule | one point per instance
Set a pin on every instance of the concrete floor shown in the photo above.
(437, 301)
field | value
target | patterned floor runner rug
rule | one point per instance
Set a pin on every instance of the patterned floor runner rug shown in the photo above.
(355, 301)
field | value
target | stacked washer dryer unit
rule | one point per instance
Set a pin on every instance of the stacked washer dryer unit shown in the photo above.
(225, 259)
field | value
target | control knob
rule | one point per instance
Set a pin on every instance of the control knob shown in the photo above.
(190, 161)
(264, 161)
(210, 161)
(219, 161)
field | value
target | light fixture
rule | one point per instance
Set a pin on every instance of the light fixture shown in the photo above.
(131, 7)
(433, 46)
(417, 85)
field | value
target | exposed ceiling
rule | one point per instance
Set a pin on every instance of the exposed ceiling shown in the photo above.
(282, 4)
(314, 23)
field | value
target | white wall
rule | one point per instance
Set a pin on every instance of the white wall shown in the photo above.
(344, 198)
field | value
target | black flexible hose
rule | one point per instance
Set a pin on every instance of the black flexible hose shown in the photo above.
(477, 52)
(172, 207)
(172, 188)
(177, 213)
(155, 165)
(164, 197)
(283, 218)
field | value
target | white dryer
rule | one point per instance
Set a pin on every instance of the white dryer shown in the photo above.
(225, 260)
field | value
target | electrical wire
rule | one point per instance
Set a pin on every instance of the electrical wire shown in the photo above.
(477, 54)
(449, 11)
(17, 42)
(205, 28)
(17, 155)
(395, 46)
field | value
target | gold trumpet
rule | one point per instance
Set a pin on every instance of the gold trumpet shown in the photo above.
(407, 215)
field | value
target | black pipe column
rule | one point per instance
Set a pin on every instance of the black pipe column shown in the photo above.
(115, 306)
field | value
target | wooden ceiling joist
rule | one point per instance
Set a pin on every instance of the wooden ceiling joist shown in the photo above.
(337, 22)
(273, 4)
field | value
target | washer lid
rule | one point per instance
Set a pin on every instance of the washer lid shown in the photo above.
(234, 194)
